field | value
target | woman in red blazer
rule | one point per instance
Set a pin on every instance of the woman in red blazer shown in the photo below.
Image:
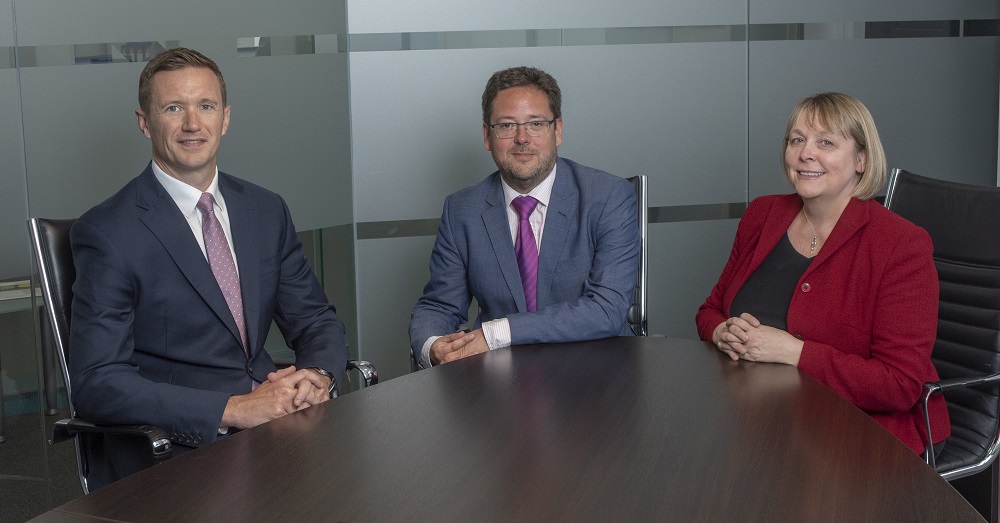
(832, 282)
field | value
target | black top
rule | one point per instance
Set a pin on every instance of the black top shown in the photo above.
(769, 290)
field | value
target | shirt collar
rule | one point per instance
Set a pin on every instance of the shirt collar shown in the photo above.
(185, 196)
(542, 192)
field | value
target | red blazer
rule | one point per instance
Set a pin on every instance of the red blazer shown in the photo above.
(866, 308)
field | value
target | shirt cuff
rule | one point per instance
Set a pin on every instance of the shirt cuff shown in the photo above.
(425, 353)
(497, 333)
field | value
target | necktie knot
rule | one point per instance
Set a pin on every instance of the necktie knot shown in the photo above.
(524, 205)
(206, 203)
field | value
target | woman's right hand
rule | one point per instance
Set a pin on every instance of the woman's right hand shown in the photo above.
(731, 335)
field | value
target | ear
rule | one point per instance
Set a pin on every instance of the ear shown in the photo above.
(225, 119)
(862, 162)
(559, 126)
(143, 124)
(486, 137)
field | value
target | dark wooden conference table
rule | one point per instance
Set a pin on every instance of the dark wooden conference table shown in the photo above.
(623, 429)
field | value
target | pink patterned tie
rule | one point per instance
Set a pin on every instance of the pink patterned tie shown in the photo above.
(526, 250)
(221, 260)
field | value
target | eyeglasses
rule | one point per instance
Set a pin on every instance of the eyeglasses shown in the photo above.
(533, 128)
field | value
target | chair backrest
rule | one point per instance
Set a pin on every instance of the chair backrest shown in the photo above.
(964, 224)
(637, 312)
(56, 273)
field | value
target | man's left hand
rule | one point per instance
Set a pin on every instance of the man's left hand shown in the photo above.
(312, 388)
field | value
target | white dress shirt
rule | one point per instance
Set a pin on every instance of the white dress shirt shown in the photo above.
(186, 197)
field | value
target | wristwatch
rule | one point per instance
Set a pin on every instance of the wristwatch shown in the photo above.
(333, 380)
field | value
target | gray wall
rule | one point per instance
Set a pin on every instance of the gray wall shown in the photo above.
(364, 115)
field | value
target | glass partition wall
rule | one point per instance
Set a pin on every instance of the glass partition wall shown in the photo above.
(364, 115)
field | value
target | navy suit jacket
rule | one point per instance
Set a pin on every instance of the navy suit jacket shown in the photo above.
(587, 263)
(152, 339)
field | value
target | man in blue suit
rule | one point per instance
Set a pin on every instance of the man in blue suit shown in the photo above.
(169, 321)
(548, 247)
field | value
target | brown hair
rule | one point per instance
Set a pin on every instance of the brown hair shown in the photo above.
(522, 77)
(172, 60)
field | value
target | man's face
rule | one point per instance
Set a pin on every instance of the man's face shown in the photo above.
(186, 122)
(524, 160)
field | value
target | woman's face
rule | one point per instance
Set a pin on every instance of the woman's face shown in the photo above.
(821, 164)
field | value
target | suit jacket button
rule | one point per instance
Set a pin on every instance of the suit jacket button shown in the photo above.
(806, 287)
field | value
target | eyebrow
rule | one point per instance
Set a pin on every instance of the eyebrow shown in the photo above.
(182, 102)
(530, 117)
(821, 133)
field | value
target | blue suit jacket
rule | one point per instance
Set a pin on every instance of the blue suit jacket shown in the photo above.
(587, 262)
(152, 339)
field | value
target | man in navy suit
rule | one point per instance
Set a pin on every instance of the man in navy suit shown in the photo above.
(580, 232)
(153, 337)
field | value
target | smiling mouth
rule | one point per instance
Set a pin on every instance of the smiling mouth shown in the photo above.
(810, 174)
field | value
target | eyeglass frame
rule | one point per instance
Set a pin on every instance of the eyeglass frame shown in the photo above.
(548, 127)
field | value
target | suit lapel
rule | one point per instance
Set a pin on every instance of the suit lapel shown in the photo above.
(495, 221)
(243, 226)
(165, 221)
(853, 219)
(563, 211)
(774, 230)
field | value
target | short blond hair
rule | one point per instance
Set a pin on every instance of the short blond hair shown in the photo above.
(845, 115)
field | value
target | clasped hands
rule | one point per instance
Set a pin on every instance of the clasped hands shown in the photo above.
(744, 337)
(457, 345)
(285, 391)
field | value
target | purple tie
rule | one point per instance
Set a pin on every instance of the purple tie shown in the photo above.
(221, 260)
(526, 250)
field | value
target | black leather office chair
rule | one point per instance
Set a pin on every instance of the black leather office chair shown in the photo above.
(145, 445)
(637, 312)
(964, 224)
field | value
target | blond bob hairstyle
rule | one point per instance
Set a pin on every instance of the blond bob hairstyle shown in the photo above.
(845, 115)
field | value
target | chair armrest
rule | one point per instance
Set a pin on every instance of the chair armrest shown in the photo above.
(367, 370)
(159, 442)
(933, 388)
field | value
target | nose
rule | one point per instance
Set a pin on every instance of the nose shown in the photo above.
(191, 122)
(522, 134)
(807, 151)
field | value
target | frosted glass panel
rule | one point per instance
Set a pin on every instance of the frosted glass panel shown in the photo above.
(81, 136)
(675, 113)
(934, 101)
(417, 128)
(6, 24)
(769, 12)
(291, 133)
(14, 260)
(287, 135)
(55, 22)
(388, 16)
(626, 109)
(391, 278)
(685, 261)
